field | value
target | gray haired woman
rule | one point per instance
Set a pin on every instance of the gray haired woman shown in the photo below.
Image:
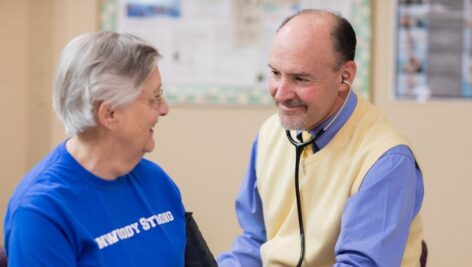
(94, 200)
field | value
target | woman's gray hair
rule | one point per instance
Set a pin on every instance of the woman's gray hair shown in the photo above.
(99, 67)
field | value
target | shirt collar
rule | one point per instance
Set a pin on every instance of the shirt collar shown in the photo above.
(331, 131)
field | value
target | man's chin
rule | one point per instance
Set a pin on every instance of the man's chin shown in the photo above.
(291, 122)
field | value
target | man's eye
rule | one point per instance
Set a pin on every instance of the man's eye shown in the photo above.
(275, 74)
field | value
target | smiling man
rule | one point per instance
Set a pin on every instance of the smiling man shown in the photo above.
(353, 195)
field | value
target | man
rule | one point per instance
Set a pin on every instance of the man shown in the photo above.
(359, 189)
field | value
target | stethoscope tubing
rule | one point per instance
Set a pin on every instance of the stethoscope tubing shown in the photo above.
(299, 147)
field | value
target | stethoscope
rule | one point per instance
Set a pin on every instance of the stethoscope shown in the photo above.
(299, 147)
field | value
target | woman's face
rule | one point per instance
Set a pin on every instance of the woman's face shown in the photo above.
(136, 121)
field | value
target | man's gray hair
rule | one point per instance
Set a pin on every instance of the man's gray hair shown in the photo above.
(99, 67)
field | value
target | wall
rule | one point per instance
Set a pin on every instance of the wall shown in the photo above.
(205, 149)
(33, 33)
(440, 132)
(13, 91)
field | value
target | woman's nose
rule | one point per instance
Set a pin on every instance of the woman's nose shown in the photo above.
(163, 107)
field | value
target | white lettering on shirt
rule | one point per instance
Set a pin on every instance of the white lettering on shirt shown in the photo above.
(133, 229)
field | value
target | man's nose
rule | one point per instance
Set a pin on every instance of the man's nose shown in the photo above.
(283, 90)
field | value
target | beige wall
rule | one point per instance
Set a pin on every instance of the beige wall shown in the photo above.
(33, 33)
(441, 132)
(13, 91)
(205, 149)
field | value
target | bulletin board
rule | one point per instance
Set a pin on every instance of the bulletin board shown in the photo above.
(434, 56)
(216, 51)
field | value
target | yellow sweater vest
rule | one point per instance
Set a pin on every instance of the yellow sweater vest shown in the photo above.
(328, 179)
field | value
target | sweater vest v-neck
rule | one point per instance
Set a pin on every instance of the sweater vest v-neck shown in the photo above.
(328, 179)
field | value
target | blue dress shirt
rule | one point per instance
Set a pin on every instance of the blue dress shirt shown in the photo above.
(375, 222)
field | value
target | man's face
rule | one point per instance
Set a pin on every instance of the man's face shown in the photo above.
(305, 82)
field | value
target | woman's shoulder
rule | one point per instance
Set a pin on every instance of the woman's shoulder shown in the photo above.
(150, 169)
(44, 177)
(153, 174)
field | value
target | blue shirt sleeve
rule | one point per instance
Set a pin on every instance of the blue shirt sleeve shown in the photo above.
(245, 250)
(36, 241)
(376, 220)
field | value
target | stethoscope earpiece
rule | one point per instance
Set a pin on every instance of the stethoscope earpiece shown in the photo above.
(346, 82)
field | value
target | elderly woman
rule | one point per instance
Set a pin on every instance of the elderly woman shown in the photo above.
(94, 200)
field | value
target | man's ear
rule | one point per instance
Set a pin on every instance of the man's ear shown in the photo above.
(348, 72)
(105, 115)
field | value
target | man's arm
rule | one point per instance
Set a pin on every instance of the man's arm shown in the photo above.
(376, 220)
(246, 248)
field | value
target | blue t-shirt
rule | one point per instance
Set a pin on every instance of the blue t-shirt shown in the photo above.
(63, 215)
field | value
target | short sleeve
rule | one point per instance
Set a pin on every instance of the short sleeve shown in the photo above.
(35, 240)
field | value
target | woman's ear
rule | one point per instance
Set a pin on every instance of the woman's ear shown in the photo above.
(105, 115)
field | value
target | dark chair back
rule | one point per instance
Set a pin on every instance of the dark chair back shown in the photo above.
(424, 254)
(3, 258)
